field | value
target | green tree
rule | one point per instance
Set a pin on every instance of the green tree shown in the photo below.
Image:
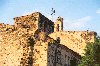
(92, 54)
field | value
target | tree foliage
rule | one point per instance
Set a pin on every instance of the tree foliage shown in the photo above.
(92, 54)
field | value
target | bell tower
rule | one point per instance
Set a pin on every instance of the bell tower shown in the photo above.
(58, 25)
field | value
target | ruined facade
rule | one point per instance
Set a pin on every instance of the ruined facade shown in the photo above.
(33, 22)
(34, 40)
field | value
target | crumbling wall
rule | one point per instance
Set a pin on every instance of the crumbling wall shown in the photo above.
(11, 47)
(58, 24)
(45, 24)
(40, 48)
(75, 40)
(18, 46)
(6, 27)
(60, 55)
(51, 53)
(40, 54)
(28, 21)
(20, 49)
(33, 22)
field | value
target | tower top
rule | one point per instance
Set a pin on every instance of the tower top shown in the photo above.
(58, 26)
(60, 19)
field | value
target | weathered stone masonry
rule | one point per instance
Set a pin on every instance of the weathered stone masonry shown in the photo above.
(34, 40)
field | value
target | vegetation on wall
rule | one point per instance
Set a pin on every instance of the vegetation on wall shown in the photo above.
(92, 55)
(27, 59)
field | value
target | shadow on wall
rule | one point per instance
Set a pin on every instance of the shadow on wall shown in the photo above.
(27, 59)
(60, 55)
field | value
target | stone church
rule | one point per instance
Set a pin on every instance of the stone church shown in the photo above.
(34, 40)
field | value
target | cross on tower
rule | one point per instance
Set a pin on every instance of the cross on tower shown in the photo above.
(53, 13)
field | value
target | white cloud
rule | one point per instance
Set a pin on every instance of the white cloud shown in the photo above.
(78, 23)
(98, 11)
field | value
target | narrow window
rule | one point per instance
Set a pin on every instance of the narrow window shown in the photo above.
(57, 27)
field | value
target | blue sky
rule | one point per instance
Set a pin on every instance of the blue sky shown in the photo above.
(78, 14)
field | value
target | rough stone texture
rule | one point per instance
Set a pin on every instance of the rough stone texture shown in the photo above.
(74, 40)
(33, 22)
(60, 55)
(11, 48)
(34, 40)
(58, 24)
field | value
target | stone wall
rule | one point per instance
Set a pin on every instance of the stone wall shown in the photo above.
(40, 54)
(48, 52)
(74, 40)
(27, 43)
(58, 24)
(18, 49)
(14, 42)
(11, 47)
(33, 22)
(45, 24)
(28, 21)
(6, 27)
(60, 55)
